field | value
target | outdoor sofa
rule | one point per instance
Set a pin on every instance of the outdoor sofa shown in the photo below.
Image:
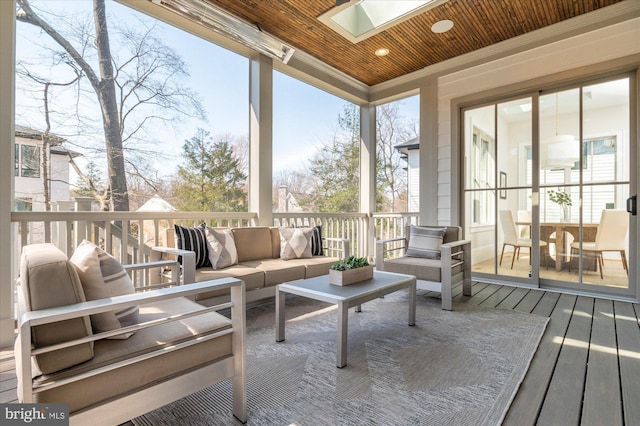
(263, 260)
(84, 354)
(436, 255)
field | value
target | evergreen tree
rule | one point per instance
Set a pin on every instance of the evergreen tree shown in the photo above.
(211, 178)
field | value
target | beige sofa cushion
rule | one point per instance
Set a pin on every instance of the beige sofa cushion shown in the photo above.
(253, 279)
(316, 266)
(103, 276)
(277, 271)
(141, 374)
(253, 243)
(47, 279)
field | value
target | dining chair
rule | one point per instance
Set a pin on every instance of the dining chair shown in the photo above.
(512, 238)
(610, 236)
(524, 216)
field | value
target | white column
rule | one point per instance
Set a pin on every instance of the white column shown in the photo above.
(261, 138)
(368, 173)
(429, 154)
(7, 72)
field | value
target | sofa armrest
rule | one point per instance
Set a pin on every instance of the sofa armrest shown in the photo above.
(30, 319)
(382, 250)
(341, 246)
(188, 261)
(173, 265)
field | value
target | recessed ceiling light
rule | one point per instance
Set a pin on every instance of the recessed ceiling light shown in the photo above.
(382, 52)
(442, 26)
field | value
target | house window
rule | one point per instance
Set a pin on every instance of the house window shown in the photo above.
(27, 160)
(24, 205)
(599, 165)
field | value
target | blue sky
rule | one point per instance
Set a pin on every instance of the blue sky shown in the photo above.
(304, 117)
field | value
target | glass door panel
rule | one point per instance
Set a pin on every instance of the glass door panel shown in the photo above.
(545, 206)
(600, 255)
(480, 186)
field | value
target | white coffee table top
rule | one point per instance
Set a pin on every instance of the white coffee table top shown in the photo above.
(320, 288)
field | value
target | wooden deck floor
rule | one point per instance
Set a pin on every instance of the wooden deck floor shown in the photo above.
(586, 370)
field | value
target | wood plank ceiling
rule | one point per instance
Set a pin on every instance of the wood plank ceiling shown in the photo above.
(412, 44)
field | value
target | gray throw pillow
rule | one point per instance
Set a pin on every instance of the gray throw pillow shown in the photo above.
(425, 242)
(221, 247)
(295, 243)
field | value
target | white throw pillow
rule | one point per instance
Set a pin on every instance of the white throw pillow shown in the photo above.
(425, 242)
(295, 243)
(103, 276)
(222, 248)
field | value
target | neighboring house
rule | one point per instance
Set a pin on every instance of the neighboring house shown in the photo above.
(28, 174)
(410, 151)
(287, 202)
(155, 204)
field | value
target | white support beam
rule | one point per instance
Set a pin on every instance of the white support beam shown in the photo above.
(429, 152)
(368, 170)
(7, 85)
(261, 138)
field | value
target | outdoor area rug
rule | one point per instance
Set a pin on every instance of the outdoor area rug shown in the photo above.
(460, 367)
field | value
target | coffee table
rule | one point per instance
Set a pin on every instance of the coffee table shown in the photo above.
(345, 297)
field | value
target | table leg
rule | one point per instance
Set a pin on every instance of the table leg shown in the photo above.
(412, 304)
(559, 247)
(280, 302)
(341, 338)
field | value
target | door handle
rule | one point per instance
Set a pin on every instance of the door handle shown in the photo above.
(632, 205)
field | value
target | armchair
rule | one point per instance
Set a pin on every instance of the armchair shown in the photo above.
(454, 262)
(176, 348)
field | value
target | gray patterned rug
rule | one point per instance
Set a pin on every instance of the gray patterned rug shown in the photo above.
(453, 368)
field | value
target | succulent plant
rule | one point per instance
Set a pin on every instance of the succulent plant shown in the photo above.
(351, 262)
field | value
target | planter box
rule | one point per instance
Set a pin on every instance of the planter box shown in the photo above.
(350, 276)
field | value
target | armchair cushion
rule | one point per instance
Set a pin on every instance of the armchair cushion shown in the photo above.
(129, 378)
(195, 240)
(47, 280)
(222, 248)
(425, 242)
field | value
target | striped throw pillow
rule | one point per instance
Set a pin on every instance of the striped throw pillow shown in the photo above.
(316, 241)
(425, 242)
(103, 276)
(193, 239)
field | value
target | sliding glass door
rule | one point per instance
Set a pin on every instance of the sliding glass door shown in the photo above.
(546, 178)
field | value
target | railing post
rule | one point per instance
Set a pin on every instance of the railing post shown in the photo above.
(59, 231)
(82, 204)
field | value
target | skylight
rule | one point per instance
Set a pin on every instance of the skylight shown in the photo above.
(357, 20)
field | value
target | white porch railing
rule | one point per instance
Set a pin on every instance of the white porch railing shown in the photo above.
(145, 230)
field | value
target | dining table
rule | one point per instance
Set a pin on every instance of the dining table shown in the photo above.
(556, 232)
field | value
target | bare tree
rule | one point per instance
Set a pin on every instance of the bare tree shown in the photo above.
(46, 136)
(391, 130)
(128, 90)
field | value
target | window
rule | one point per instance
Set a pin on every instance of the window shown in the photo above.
(27, 158)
